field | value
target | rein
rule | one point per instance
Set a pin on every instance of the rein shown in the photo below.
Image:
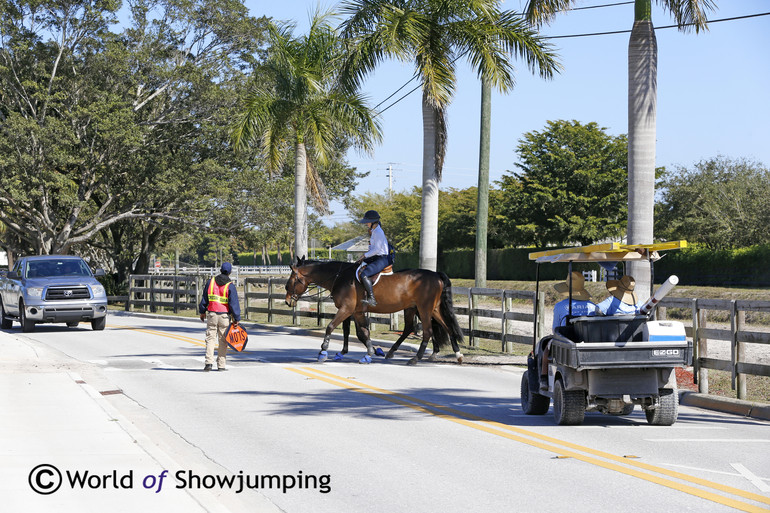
(298, 279)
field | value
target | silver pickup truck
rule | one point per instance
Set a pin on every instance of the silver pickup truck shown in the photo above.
(52, 288)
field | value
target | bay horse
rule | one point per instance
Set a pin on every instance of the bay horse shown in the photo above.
(416, 291)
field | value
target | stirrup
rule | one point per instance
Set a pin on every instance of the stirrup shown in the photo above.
(370, 301)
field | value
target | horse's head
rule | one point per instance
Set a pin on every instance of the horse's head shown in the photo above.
(297, 284)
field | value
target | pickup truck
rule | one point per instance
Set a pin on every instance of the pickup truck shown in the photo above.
(52, 288)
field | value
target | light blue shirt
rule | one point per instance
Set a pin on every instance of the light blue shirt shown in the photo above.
(579, 308)
(614, 306)
(378, 243)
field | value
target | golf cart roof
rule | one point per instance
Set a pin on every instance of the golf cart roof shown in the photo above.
(609, 252)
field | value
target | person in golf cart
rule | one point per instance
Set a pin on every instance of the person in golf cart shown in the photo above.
(622, 299)
(581, 306)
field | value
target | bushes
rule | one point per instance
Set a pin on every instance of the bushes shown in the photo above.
(693, 265)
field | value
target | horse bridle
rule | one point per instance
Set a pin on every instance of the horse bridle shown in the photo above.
(294, 295)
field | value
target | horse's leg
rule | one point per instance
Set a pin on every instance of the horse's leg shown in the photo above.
(341, 315)
(345, 338)
(427, 333)
(409, 326)
(362, 329)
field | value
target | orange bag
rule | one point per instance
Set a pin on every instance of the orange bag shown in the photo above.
(236, 337)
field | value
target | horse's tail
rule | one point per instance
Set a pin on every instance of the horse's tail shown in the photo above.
(446, 308)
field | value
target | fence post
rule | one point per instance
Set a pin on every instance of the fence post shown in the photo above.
(540, 316)
(507, 307)
(152, 294)
(320, 306)
(270, 300)
(394, 321)
(473, 321)
(740, 325)
(130, 286)
(700, 322)
(175, 293)
(246, 299)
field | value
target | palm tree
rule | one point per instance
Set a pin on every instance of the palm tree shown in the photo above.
(642, 107)
(297, 102)
(434, 34)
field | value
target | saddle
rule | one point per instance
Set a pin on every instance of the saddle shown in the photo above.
(385, 272)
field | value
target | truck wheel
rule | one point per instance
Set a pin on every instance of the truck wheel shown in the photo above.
(5, 322)
(99, 324)
(27, 326)
(668, 409)
(569, 406)
(532, 403)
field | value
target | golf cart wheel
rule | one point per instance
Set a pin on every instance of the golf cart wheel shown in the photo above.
(668, 408)
(532, 403)
(569, 406)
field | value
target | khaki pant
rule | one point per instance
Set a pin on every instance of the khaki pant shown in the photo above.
(216, 325)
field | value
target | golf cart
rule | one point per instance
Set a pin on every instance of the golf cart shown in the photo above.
(608, 363)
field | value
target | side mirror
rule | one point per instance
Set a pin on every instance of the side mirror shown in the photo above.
(13, 275)
(99, 273)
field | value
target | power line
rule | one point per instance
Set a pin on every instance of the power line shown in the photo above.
(572, 36)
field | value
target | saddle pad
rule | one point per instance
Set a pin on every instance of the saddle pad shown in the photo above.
(385, 272)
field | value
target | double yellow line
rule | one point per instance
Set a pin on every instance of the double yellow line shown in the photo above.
(563, 448)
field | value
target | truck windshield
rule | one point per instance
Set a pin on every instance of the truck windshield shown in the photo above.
(57, 267)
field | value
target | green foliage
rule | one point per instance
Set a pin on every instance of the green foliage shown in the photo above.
(572, 187)
(111, 141)
(700, 265)
(721, 203)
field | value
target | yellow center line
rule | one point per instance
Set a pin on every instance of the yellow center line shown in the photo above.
(161, 334)
(505, 430)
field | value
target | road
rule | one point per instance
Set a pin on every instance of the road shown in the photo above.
(388, 437)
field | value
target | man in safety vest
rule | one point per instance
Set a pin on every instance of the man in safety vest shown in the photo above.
(220, 300)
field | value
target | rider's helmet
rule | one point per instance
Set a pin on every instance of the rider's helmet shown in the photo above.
(371, 216)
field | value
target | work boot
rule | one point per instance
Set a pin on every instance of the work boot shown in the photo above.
(207, 367)
(369, 299)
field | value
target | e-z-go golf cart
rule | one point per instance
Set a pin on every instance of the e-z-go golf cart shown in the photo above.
(608, 363)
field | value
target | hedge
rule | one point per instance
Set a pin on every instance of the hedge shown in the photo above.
(693, 265)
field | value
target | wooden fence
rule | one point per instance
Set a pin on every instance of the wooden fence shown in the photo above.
(738, 336)
(261, 296)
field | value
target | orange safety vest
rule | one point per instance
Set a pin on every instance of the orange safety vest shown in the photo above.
(218, 301)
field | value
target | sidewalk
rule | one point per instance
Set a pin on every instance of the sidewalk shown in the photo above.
(62, 417)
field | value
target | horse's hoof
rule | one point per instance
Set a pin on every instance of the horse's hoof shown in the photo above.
(413, 361)
(379, 352)
(322, 356)
(432, 357)
(389, 355)
(459, 357)
(365, 359)
(338, 357)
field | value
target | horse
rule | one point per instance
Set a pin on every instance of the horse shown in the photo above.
(416, 291)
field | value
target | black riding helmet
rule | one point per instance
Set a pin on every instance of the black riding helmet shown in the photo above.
(371, 216)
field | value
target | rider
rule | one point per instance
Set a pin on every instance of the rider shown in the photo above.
(376, 259)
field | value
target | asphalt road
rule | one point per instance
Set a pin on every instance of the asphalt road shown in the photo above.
(387, 437)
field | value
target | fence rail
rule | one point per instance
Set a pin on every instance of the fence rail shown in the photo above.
(736, 335)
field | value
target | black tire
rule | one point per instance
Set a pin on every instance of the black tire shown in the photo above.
(5, 322)
(668, 409)
(73, 324)
(27, 326)
(99, 323)
(569, 406)
(532, 403)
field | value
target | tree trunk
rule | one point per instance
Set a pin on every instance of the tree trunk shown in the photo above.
(482, 209)
(429, 218)
(642, 106)
(300, 201)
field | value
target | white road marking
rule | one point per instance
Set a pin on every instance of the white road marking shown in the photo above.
(753, 479)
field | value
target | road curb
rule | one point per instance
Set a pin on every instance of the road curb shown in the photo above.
(725, 405)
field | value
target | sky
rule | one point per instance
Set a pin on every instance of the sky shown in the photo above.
(713, 94)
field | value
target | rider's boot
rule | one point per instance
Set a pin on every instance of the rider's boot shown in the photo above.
(369, 299)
